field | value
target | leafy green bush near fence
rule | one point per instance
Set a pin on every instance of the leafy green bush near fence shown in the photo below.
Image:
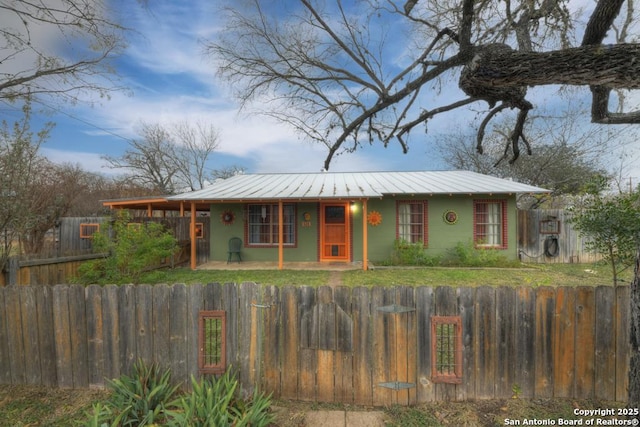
(132, 249)
(147, 397)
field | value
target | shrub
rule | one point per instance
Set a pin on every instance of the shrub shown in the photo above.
(405, 253)
(147, 398)
(213, 403)
(131, 250)
(467, 255)
(137, 400)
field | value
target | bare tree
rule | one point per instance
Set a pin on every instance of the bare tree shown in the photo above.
(325, 69)
(328, 70)
(196, 143)
(59, 48)
(567, 154)
(169, 159)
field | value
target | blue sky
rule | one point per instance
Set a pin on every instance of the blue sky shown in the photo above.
(170, 80)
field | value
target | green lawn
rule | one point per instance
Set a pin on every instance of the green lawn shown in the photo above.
(529, 274)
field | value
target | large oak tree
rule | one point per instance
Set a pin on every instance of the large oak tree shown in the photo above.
(330, 69)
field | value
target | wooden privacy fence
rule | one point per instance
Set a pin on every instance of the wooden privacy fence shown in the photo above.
(537, 228)
(362, 345)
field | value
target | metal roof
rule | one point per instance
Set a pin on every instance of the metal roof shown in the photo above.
(353, 185)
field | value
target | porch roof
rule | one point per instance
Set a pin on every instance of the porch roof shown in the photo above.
(352, 185)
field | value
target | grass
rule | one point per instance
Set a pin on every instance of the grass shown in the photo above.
(525, 274)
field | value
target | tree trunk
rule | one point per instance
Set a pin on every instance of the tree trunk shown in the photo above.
(608, 66)
(634, 363)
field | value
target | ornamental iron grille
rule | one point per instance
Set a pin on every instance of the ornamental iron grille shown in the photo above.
(446, 350)
(212, 329)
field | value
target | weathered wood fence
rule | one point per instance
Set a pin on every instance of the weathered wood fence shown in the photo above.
(326, 344)
(536, 227)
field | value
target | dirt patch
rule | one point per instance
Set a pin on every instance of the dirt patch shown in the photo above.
(335, 279)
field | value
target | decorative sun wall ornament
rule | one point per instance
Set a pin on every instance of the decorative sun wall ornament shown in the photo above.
(450, 217)
(374, 218)
(227, 217)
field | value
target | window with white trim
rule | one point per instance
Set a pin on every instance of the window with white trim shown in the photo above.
(489, 223)
(263, 224)
(412, 221)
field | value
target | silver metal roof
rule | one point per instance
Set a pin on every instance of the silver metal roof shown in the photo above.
(353, 185)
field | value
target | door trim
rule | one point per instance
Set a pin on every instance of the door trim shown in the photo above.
(346, 256)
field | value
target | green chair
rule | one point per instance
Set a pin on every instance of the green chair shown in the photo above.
(235, 244)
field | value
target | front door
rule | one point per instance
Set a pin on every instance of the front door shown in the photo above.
(334, 232)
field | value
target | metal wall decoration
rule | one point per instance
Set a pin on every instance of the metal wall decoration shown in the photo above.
(450, 217)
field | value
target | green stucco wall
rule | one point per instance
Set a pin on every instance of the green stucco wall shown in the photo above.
(441, 236)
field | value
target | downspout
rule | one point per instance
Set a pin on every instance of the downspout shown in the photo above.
(280, 235)
(365, 243)
(192, 235)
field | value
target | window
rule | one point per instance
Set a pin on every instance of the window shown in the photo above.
(446, 349)
(412, 221)
(88, 230)
(199, 230)
(490, 223)
(263, 225)
(212, 343)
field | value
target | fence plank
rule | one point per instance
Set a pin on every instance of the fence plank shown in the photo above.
(178, 334)
(326, 344)
(144, 323)
(362, 352)
(466, 302)
(111, 332)
(225, 297)
(344, 354)
(127, 328)
(525, 341)
(623, 347)
(308, 360)
(28, 307)
(247, 334)
(14, 335)
(290, 334)
(5, 354)
(605, 364)
(485, 348)
(564, 343)
(46, 335)
(273, 337)
(384, 369)
(506, 341)
(78, 335)
(64, 361)
(95, 347)
(585, 338)
(543, 348)
(195, 304)
(424, 311)
(162, 321)
(407, 345)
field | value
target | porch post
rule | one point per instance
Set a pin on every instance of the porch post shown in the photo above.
(149, 210)
(192, 234)
(365, 243)
(280, 234)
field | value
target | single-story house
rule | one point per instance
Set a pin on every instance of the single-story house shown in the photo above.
(350, 217)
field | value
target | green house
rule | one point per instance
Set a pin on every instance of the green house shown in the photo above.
(355, 217)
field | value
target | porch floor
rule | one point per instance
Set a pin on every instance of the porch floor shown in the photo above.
(266, 265)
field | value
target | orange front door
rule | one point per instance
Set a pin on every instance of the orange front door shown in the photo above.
(334, 232)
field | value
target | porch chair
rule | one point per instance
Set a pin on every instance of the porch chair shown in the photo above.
(235, 243)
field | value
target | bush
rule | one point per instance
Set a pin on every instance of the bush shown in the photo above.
(137, 400)
(147, 398)
(213, 403)
(132, 249)
(467, 255)
(405, 253)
